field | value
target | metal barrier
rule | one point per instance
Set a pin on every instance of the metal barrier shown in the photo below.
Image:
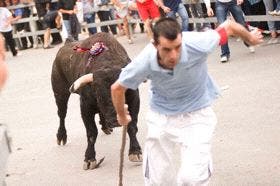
(35, 32)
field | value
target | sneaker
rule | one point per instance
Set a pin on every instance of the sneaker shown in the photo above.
(130, 41)
(252, 49)
(224, 59)
(272, 12)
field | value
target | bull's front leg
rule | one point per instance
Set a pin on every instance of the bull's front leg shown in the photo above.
(133, 101)
(104, 126)
(87, 112)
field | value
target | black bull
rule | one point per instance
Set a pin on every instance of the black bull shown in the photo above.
(91, 76)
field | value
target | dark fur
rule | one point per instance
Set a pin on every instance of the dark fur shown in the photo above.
(95, 98)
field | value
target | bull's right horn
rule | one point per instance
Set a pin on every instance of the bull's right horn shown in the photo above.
(82, 81)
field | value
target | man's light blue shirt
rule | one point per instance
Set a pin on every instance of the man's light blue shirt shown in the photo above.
(186, 88)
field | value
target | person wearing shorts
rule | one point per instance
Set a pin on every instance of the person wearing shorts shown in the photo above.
(148, 12)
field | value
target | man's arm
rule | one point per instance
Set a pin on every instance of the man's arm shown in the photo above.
(210, 11)
(160, 4)
(118, 99)
(231, 28)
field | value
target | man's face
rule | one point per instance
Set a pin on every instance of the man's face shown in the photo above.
(169, 51)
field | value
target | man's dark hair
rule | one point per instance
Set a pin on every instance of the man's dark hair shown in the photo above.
(166, 27)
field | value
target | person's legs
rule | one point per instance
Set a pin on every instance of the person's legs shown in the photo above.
(47, 35)
(221, 13)
(103, 17)
(113, 28)
(237, 13)
(271, 24)
(68, 29)
(158, 167)
(90, 18)
(10, 42)
(148, 13)
(196, 159)
(184, 16)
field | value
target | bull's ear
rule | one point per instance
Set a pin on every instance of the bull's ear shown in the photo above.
(80, 82)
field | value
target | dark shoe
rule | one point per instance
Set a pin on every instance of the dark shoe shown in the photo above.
(23, 48)
(56, 42)
(48, 47)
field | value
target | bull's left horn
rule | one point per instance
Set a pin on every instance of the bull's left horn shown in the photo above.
(82, 81)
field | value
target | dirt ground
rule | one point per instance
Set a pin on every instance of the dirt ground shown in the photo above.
(246, 145)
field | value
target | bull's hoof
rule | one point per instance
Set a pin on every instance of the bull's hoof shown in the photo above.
(135, 157)
(61, 140)
(89, 165)
(107, 130)
(92, 164)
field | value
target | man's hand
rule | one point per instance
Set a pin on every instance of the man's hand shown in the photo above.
(256, 37)
(166, 9)
(239, 2)
(124, 119)
(235, 29)
(210, 12)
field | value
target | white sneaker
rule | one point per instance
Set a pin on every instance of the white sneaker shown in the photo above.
(252, 49)
(130, 41)
(224, 59)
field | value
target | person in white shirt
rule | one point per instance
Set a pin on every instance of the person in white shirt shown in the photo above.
(6, 28)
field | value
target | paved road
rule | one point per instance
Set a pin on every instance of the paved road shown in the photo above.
(245, 146)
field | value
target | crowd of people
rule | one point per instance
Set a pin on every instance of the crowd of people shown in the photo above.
(65, 12)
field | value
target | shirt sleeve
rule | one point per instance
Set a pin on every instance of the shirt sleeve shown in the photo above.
(204, 42)
(137, 71)
(207, 3)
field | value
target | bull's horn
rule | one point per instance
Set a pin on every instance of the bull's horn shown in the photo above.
(82, 81)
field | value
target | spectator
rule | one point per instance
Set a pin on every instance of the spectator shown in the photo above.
(6, 18)
(223, 7)
(198, 10)
(89, 9)
(171, 7)
(42, 7)
(104, 14)
(277, 10)
(269, 6)
(124, 8)
(148, 12)
(254, 7)
(20, 13)
(51, 18)
(68, 9)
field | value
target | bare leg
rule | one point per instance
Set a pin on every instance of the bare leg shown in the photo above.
(47, 37)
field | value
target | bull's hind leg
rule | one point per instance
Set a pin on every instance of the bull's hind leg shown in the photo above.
(133, 101)
(61, 94)
(61, 102)
(88, 113)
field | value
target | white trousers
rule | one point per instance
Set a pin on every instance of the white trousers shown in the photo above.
(192, 132)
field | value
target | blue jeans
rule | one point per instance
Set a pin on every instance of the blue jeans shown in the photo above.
(90, 18)
(222, 10)
(69, 30)
(181, 10)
